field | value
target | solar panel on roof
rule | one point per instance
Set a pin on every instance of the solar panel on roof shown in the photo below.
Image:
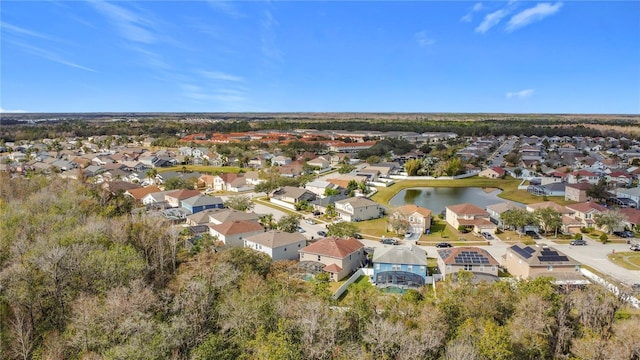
(529, 249)
(522, 252)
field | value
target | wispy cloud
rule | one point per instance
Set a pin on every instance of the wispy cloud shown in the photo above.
(222, 98)
(31, 33)
(217, 75)
(533, 14)
(130, 25)
(520, 94)
(7, 111)
(49, 55)
(491, 20)
(424, 39)
(469, 16)
(226, 7)
(268, 37)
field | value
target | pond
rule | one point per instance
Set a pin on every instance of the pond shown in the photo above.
(437, 198)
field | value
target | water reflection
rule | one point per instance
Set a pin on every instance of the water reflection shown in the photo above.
(436, 199)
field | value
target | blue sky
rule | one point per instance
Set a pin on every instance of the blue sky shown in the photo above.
(290, 56)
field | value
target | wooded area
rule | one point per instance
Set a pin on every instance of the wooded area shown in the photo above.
(80, 278)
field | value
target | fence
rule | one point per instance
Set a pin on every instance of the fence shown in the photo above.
(611, 287)
(351, 280)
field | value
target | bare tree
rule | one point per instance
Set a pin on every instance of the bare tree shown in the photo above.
(21, 334)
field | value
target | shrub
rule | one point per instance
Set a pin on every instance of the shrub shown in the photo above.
(604, 238)
(578, 237)
(583, 230)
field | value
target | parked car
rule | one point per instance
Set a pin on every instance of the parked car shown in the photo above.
(533, 234)
(578, 242)
(408, 235)
(487, 236)
(628, 233)
(389, 241)
(310, 221)
(443, 245)
(301, 230)
(635, 247)
(357, 236)
(322, 233)
(317, 213)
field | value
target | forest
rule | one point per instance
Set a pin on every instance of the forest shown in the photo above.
(16, 127)
(82, 278)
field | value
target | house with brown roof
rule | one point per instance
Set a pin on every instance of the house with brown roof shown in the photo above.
(279, 245)
(174, 199)
(289, 196)
(418, 218)
(206, 181)
(529, 262)
(468, 258)
(586, 212)
(233, 233)
(340, 256)
(222, 182)
(492, 172)
(579, 176)
(469, 216)
(138, 194)
(219, 216)
(546, 204)
(632, 218)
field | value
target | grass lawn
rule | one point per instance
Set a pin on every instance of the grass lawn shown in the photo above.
(374, 228)
(265, 201)
(628, 259)
(362, 281)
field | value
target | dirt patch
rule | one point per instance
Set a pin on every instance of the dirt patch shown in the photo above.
(489, 190)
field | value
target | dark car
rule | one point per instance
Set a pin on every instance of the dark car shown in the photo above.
(578, 242)
(357, 236)
(533, 234)
(389, 241)
(322, 233)
(443, 245)
(628, 233)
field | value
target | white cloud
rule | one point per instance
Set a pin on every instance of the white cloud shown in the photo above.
(268, 37)
(469, 16)
(491, 20)
(533, 14)
(217, 75)
(6, 111)
(226, 7)
(424, 39)
(49, 55)
(22, 31)
(131, 26)
(520, 94)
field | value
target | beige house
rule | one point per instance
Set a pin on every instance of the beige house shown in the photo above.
(586, 212)
(340, 256)
(528, 262)
(492, 172)
(358, 209)
(279, 245)
(174, 199)
(576, 192)
(469, 216)
(476, 260)
(233, 233)
(417, 217)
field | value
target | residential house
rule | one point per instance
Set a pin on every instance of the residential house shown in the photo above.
(399, 266)
(545, 204)
(358, 209)
(632, 218)
(279, 245)
(289, 196)
(496, 210)
(280, 160)
(202, 202)
(579, 176)
(492, 172)
(320, 163)
(340, 256)
(633, 194)
(619, 178)
(175, 198)
(418, 218)
(467, 258)
(233, 233)
(222, 182)
(553, 189)
(343, 180)
(156, 198)
(239, 184)
(319, 187)
(470, 217)
(140, 193)
(321, 204)
(586, 212)
(529, 262)
(577, 192)
(206, 181)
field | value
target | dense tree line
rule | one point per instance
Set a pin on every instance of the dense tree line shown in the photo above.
(79, 283)
(171, 124)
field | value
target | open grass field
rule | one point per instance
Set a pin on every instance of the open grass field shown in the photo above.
(628, 259)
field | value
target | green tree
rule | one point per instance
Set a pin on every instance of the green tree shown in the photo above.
(346, 168)
(289, 223)
(598, 191)
(178, 183)
(412, 166)
(240, 202)
(342, 229)
(518, 218)
(609, 220)
(550, 219)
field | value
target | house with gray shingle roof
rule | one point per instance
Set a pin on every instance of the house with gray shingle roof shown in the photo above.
(399, 266)
(279, 245)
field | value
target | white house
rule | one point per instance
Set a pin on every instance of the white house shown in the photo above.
(279, 245)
